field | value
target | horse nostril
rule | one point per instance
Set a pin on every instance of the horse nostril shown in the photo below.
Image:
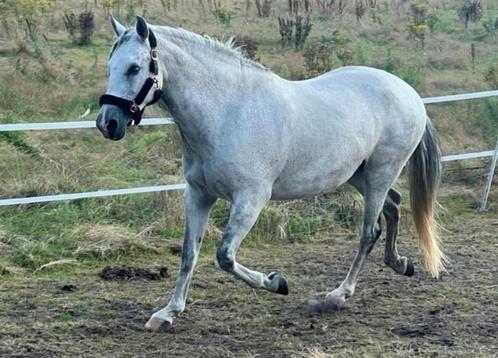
(112, 125)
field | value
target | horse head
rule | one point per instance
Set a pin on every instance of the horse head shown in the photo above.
(135, 79)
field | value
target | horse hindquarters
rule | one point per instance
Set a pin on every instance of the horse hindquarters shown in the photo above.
(375, 180)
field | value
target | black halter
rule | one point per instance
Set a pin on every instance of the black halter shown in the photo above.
(133, 106)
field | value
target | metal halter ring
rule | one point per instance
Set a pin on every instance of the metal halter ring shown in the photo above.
(153, 53)
(134, 108)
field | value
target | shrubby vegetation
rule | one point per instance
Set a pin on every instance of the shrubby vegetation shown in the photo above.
(54, 54)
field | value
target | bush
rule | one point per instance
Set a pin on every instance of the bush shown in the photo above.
(87, 26)
(491, 76)
(84, 26)
(418, 26)
(285, 72)
(361, 54)
(488, 119)
(471, 11)
(222, 13)
(318, 59)
(264, 10)
(328, 53)
(410, 75)
(299, 27)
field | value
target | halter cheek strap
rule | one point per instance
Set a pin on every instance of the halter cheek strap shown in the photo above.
(132, 107)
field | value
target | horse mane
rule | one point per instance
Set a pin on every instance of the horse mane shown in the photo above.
(226, 48)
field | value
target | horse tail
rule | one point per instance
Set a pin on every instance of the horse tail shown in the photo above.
(424, 169)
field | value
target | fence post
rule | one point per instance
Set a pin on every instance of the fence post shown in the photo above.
(492, 168)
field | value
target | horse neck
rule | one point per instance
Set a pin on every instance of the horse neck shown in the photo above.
(199, 87)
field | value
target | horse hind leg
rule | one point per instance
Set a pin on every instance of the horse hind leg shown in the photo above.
(391, 211)
(374, 181)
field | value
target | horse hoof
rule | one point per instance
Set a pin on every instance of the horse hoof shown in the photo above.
(279, 282)
(410, 269)
(327, 304)
(158, 325)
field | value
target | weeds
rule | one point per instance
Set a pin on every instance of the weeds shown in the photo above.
(264, 9)
(470, 11)
(222, 13)
(17, 141)
(329, 53)
(418, 27)
(80, 28)
(410, 75)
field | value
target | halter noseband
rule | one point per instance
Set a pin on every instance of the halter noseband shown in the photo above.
(132, 107)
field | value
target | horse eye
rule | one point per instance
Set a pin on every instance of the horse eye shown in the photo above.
(133, 70)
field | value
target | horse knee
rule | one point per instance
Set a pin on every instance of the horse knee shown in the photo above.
(225, 259)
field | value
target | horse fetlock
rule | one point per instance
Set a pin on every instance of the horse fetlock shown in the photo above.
(402, 265)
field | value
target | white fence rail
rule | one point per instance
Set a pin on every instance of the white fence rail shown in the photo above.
(460, 97)
(160, 121)
(18, 127)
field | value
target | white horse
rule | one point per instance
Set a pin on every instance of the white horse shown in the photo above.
(249, 136)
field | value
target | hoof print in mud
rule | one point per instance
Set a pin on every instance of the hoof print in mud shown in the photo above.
(324, 305)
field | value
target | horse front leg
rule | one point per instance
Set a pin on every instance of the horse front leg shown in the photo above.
(197, 207)
(245, 210)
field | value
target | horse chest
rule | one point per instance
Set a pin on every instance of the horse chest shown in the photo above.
(212, 176)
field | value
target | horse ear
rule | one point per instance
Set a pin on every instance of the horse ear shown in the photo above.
(142, 29)
(118, 28)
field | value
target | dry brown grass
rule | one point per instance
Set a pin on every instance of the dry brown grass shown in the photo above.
(102, 241)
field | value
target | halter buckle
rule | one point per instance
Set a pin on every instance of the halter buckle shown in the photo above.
(134, 108)
(153, 53)
(156, 81)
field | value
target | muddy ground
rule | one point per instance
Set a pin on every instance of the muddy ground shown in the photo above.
(79, 314)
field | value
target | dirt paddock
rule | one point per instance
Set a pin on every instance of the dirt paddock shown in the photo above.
(82, 315)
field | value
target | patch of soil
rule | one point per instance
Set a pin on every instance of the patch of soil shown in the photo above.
(125, 272)
(389, 315)
(69, 288)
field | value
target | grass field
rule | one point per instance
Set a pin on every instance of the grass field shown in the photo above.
(46, 77)
(390, 315)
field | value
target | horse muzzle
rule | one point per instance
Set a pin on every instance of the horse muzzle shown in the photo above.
(111, 123)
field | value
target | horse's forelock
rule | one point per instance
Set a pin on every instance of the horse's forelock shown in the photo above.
(125, 37)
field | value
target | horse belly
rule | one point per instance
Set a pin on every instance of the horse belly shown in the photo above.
(312, 180)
